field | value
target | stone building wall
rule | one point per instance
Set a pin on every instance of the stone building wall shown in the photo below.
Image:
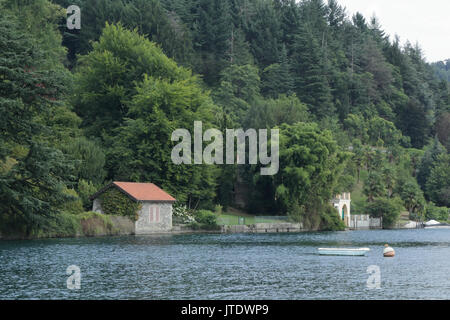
(154, 217)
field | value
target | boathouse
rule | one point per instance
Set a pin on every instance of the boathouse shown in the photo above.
(155, 215)
(342, 204)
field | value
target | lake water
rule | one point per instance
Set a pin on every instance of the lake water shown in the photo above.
(229, 266)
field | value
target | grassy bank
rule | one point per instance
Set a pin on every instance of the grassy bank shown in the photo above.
(86, 224)
(231, 218)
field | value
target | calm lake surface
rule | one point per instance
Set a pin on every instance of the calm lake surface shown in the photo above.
(229, 266)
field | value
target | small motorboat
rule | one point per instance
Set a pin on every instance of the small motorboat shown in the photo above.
(343, 251)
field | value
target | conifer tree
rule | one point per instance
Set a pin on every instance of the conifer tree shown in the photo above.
(32, 173)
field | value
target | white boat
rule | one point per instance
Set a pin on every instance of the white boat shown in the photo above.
(343, 251)
(433, 224)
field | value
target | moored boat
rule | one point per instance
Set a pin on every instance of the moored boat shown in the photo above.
(343, 251)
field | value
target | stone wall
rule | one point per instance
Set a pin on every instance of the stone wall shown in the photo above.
(364, 221)
(264, 227)
(123, 225)
(144, 225)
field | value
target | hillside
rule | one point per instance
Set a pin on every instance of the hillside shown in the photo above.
(355, 109)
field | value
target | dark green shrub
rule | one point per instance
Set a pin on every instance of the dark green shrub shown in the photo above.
(205, 219)
(75, 205)
(387, 208)
(433, 212)
(330, 220)
(85, 190)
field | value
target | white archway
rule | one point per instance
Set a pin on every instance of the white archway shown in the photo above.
(342, 204)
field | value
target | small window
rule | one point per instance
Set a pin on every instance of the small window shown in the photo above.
(153, 214)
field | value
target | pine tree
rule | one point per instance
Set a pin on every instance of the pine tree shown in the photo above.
(212, 30)
(277, 78)
(311, 84)
(32, 173)
(264, 33)
(433, 151)
(438, 183)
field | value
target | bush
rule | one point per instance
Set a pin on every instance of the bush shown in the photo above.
(205, 219)
(330, 220)
(296, 212)
(73, 206)
(433, 212)
(85, 190)
(218, 209)
(94, 223)
(387, 208)
(181, 214)
(63, 224)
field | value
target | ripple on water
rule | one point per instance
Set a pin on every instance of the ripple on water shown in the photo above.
(228, 266)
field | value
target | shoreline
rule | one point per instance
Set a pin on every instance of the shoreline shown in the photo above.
(190, 231)
(95, 226)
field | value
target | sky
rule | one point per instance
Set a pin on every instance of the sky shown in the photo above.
(424, 21)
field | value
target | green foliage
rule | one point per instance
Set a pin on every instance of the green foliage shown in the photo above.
(62, 225)
(442, 69)
(33, 173)
(239, 87)
(433, 212)
(443, 127)
(310, 166)
(330, 220)
(267, 63)
(269, 113)
(74, 206)
(277, 78)
(147, 97)
(89, 159)
(218, 209)
(205, 219)
(106, 77)
(95, 223)
(388, 209)
(374, 186)
(373, 130)
(181, 214)
(433, 150)
(85, 190)
(114, 202)
(311, 83)
(47, 16)
(147, 16)
(438, 184)
(409, 191)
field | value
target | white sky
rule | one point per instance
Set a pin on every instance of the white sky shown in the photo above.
(424, 21)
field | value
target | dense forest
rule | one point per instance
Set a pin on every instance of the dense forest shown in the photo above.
(357, 111)
(442, 69)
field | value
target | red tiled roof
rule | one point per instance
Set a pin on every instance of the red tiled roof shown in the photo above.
(144, 191)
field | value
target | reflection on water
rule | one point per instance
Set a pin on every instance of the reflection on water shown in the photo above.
(229, 266)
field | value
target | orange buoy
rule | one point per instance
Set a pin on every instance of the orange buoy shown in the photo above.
(388, 251)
